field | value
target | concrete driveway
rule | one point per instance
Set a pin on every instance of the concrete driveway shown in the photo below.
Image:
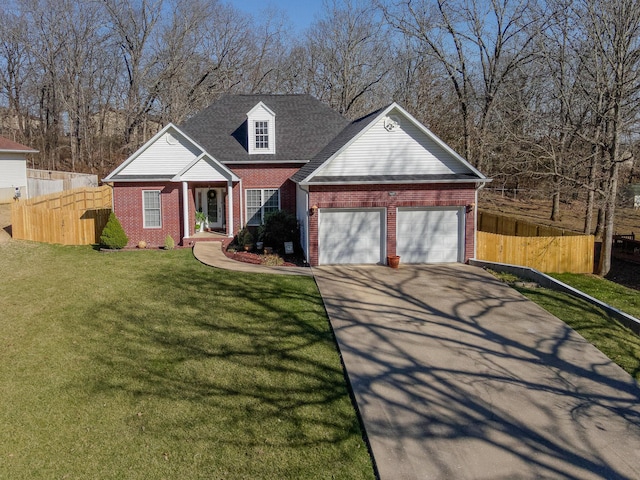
(458, 376)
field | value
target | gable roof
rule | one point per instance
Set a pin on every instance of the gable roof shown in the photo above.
(137, 166)
(304, 127)
(7, 145)
(311, 173)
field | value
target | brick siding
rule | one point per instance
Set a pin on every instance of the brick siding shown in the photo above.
(391, 197)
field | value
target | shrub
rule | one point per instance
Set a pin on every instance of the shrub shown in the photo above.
(113, 235)
(272, 260)
(169, 243)
(244, 237)
(280, 227)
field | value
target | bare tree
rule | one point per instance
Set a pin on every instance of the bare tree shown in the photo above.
(478, 44)
(347, 56)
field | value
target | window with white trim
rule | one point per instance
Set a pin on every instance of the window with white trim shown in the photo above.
(261, 202)
(151, 212)
(262, 134)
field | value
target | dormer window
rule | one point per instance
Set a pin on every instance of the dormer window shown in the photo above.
(262, 135)
(262, 130)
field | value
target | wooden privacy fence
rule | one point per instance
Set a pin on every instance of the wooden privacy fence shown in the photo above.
(71, 217)
(547, 249)
(488, 222)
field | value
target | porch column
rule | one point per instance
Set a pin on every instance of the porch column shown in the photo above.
(230, 208)
(185, 208)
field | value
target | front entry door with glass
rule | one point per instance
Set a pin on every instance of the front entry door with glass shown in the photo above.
(209, 202)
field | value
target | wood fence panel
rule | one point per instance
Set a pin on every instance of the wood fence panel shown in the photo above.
(73, 217)
(572, 254)
(491, 223)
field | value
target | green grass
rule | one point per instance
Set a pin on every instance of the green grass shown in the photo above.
(618, 296)
(613, 339)
(147, 364)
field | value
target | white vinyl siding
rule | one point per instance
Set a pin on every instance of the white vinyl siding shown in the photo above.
(205, 170)
(261, 123)
(404, 151)
(350, 236)
(260, 202)
(13, 170)
(168, 155)
(151, 209)
(430, 235)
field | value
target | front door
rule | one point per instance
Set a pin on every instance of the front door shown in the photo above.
(209, 202)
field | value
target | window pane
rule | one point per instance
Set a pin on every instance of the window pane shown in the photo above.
(151, 209)
(262, 134)
(260, 202)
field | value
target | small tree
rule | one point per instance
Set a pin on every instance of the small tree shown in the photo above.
(113, 235)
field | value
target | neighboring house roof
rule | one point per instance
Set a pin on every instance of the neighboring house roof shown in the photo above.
(7, 145)
(362, 154)
(304, 126)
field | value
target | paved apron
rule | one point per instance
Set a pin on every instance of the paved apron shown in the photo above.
(458, 376)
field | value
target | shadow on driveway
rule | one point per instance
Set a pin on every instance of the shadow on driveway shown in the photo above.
(456, 375)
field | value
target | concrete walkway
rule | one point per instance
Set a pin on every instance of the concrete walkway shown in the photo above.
(457, 376)
(210, 253)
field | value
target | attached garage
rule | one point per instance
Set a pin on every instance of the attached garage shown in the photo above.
(430, 235)
(351, 236)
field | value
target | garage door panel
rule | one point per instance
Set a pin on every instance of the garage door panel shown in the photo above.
(349, 236)
(429, 235)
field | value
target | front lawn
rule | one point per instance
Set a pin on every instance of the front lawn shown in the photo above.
(147, 364)
(611, 293)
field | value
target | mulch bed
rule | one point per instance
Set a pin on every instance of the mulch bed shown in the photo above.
(257, 258)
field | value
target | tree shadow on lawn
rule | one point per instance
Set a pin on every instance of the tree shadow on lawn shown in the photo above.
(485, 382)
(249, 357)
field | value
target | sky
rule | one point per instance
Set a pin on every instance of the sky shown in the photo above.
(300, 12)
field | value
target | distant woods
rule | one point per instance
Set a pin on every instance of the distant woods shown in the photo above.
(541, 95)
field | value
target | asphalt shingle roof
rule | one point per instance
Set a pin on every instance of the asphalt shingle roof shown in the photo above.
(304, 126)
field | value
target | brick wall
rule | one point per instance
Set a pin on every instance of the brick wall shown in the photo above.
(264, 176)
(391, 197)
(127, 203)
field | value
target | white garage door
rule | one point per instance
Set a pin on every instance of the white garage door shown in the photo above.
(350, 236)
(429, 235)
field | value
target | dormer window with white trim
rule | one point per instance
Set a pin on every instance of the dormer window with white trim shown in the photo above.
(262, 134)
(261, 121)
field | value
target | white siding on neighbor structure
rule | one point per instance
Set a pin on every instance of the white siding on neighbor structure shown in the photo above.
(13, 170)
(350, 236)
(404, 151)
(430, 235)
(169, 154)
(13, 173)
(204, 170)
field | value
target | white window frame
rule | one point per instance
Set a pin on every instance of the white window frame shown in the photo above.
(265, 194)
(146, 208)
(261, 135)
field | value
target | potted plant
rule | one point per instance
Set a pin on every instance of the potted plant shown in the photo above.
(393, 261)
(201, 218)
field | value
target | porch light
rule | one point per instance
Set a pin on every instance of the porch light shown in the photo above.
(313, 210)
